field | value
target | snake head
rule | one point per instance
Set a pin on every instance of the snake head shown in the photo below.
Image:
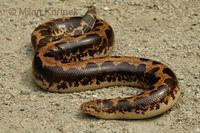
(98, 108)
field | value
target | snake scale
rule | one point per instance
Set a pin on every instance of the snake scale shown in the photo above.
(72, 54)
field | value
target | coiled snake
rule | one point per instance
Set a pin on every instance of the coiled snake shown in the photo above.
(72, 55)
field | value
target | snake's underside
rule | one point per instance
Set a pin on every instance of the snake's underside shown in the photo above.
(72, 55)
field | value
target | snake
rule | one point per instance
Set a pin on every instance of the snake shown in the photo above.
(72, 54)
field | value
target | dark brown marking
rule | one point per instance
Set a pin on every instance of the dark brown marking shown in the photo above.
(43, 42)
(144, 59)
(169, 72)
(98, 24)
(141, 68)
(171, 83)
(151, 77)
(123, 106)
(155, 62)
(34, 40)
(62, 86)
(109, 33)
(153, 70)
(107, 104)
(151, 87)
(45, 32)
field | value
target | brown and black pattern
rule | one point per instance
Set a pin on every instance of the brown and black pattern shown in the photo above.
(71, 55)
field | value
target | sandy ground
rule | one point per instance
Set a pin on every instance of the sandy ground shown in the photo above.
(165, 31)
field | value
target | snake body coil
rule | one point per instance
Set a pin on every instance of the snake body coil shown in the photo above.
(72, 55)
